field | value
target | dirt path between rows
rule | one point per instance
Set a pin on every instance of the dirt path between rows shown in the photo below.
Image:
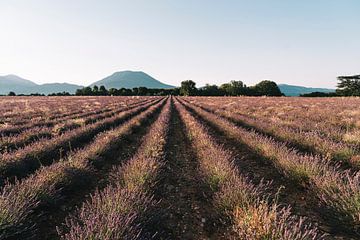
(257, 168)
(185, 210)
(55, 214)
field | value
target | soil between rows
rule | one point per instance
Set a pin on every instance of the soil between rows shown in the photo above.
(55, 214)
(257, 168)
(185, 210)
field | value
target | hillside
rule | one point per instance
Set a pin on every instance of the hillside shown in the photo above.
(56, 87)
(291, 90)
(131, 79)
(20, 85)
(14, 83)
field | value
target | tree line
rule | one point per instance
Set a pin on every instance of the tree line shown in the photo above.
(188, 88)
(347, 86)
(233, 88)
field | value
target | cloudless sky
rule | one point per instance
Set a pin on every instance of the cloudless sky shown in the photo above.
(307, 42)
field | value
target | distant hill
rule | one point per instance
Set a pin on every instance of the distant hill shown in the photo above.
(19, 85)
(124, 79)
(291, 90)
(56, 87)
(130, 79)
(14, 83)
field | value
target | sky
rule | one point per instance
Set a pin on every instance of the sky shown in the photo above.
(307, 43)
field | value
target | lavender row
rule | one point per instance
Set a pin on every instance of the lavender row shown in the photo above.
(46, 122)
(114, 212)
(332, 117)
(26, 160)
(33, 134)
(305, 140)
(17, 111)
(337, 190)
(19, 202)
(252, 215)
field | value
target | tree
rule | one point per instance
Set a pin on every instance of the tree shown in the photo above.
(234, 88)
(188, 88)
(267, 88)
(102, 91)
(238, 88)
(114, 92)
(95, 90)
(210, 90)
(86, 91)
(12, 94)
(348, 85)
(319, 94)
(142, 91)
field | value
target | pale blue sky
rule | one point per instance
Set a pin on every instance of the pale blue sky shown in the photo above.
(307, 42)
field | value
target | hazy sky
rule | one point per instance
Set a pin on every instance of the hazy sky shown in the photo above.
(307, 42)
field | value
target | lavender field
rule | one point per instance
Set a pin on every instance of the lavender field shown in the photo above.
(179, 168)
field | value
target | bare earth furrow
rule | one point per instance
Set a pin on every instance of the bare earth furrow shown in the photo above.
(19, 164)
(119, 210)
(184, 210)
(46, 187)
(308, 142)
(335, 190)
(246, 207)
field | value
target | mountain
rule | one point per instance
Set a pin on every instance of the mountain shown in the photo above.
(130, 79)
(14, 83)
(291, 90)
(126, 79)
(56, 87)
(19, 85)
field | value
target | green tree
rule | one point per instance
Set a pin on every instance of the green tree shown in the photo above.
(188, 88)
(86, 91)
(12, 94)
(114, 92)
(210, 90)
(348, 85)
(234, 88)
(103, 91)
(267, 88)
(142, 91)
(95, 90)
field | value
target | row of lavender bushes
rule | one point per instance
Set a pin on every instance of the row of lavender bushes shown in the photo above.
(337, 190)
(333, 118)
(19, 202)
(311, 140)
(38, 118)
(252, 214)
(114, 212)
(56, 128)
(45, 152)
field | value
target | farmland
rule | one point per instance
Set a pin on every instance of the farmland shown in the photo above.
(179, 168)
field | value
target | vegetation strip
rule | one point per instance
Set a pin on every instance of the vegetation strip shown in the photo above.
(253, 216)
(337, 190)
(185, 209)
(19, 201)
(309, 141)
(114, 212)
(52, 120)
(11, 143)
(33, 121)
(27, 160)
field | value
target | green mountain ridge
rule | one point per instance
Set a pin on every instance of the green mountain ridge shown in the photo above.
(293, 90)
(13, 83)
(131, 79)
(123, 79)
